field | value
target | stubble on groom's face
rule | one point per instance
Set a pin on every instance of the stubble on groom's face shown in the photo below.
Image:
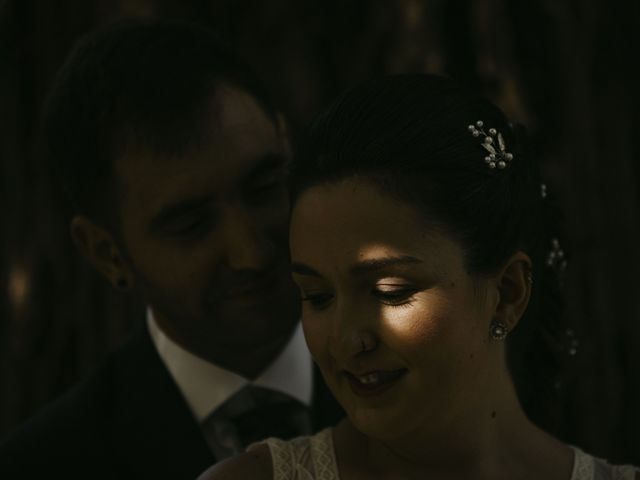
(206, 232)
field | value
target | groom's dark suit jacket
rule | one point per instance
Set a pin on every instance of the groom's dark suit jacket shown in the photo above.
(128, 420)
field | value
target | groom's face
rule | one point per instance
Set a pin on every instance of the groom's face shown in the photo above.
(205, 233)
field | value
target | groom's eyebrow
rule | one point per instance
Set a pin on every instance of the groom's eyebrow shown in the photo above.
(272, 161)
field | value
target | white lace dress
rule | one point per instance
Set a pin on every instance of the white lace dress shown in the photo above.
(313, 458)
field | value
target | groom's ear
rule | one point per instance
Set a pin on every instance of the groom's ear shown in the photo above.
(513, 282)
(98, 246)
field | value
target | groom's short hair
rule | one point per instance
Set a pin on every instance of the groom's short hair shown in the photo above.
(140, 82)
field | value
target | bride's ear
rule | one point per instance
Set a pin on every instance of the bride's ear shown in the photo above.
(513, 283)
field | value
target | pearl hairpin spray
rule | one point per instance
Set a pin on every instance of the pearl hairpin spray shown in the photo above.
(492, 143)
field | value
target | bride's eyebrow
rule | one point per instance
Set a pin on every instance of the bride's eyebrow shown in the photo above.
(302, 269)
(362, 267)
(374, 264)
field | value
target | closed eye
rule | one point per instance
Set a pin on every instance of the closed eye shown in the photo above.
(394, 295)
(190, 227)
(317, 301)
(269, 188)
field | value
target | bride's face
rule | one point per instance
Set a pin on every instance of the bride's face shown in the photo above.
(397, 325)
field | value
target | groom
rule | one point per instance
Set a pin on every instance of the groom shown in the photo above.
(175, 162)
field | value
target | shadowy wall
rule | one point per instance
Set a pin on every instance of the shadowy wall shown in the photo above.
(565, 69)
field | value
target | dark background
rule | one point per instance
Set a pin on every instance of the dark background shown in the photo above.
(566, 69)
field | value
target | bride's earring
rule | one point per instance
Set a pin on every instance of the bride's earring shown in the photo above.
(498, 330)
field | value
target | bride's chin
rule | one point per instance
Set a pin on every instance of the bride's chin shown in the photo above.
(378, 425)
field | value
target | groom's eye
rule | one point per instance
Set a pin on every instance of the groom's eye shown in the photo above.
(190, 225)
(265, 190)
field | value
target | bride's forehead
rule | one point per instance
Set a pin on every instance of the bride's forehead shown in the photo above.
(345, 225)
(353, 208)
(349, 197)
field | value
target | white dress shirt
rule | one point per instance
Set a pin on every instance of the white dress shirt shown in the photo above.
(205, 386)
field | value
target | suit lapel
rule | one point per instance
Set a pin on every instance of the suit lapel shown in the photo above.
(154, 434)
(154, 431)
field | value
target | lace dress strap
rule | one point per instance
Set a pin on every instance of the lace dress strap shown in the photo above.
(304, 458)
(587, 467)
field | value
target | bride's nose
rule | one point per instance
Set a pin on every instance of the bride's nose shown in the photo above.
(353, 345)
(352, 335)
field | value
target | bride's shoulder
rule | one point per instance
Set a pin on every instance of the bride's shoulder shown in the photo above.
(254, 464)
(591, 467)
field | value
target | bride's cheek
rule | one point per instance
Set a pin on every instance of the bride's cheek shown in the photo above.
(317, 338)
(412, 324)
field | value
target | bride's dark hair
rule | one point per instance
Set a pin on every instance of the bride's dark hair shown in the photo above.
(408, 135)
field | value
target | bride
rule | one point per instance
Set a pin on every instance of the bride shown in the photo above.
(420, 240)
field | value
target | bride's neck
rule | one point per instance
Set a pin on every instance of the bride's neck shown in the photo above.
(480, 443)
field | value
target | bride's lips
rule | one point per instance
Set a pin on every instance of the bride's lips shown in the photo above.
(374, 382)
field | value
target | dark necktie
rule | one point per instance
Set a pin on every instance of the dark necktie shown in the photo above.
(253, 414)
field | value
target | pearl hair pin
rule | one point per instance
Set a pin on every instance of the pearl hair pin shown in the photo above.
(543, 190)
(556, 257)
(498, 156)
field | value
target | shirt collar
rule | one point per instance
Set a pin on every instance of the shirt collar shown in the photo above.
(205, 386)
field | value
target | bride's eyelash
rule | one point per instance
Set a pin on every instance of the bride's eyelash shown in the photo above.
(394, 296)
(402, 296)
(406, 304)
(317, 301)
